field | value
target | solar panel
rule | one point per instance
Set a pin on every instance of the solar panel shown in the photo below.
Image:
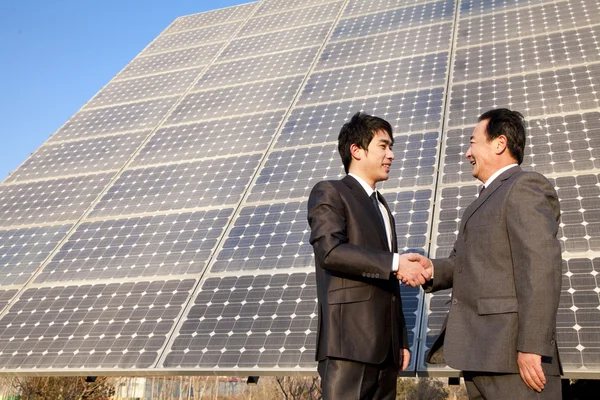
(162, 228)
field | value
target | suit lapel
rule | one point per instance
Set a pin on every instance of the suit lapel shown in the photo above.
(361, 195)
(474, 206)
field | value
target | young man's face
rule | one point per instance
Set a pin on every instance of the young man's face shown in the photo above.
(377, 160)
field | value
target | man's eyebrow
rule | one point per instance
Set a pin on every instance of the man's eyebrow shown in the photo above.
(386, 141)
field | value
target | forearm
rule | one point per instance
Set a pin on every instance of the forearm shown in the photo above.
(354, 260)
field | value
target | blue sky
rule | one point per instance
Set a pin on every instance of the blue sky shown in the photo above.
(57, 54)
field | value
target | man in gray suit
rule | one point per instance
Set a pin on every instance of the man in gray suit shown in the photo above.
(505, 273)
(361, 334)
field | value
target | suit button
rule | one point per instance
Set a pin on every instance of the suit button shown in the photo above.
(394, 298)
(552, 342)
(454, 301)
(459, 270)
(376, 275)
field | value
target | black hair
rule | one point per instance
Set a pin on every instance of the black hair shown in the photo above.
(502, 121)
(360, 131)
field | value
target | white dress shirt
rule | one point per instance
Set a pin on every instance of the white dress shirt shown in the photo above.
(386, 218)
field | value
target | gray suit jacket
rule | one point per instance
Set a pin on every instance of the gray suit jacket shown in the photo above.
(360, 310)
(506, 273)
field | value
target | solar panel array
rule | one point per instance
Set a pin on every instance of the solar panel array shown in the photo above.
(163, 228)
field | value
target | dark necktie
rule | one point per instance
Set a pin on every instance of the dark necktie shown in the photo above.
(378, 210)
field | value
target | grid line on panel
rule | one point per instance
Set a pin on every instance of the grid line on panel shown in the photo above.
(189, 47)
(250, 56)
(534, 36)
(395, 20)
(570, 89)
(124, 118)
(373, 79)
(153, 75)
(282, 30)
(23, 250)
(235, 85)
(289, 5)
(407, 112)
(78, 157)
(247, 321)
(178, 186)
(531, 4)
(377, 47)
(534, 24)
(178, 40)
(551, 54)
(220, 137)
(256, 25)
(169, 60)
(422, 323)
(377, 10)
(468, 6)
(295, 37)
(283, 64)
(184, 20)
(91, 326)
(59, 200)
(168, 245)
(238, 207)
(384, 60)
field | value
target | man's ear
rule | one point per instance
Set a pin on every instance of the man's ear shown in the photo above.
(355, 151)
(501, 144)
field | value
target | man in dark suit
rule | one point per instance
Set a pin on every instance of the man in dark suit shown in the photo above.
(361, 337)
(505, 273)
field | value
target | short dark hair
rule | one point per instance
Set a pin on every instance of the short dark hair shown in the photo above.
(360, 130)
(502, 121)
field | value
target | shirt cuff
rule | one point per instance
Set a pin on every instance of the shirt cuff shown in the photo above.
(395, 262)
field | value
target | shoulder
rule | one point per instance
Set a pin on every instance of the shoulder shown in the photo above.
(529, 186)
(324, 189)
(532, 178)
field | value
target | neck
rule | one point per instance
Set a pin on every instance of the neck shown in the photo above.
(371, 183)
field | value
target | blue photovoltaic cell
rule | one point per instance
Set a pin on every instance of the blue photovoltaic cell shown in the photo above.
(162, 245)
(215, 138)
(114, 119)
(406, 17)
(22, 251)
(214, 182)
(49, 201)
(407, 112)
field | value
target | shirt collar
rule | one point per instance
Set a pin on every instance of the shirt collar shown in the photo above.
(497, 173)
(364, 184)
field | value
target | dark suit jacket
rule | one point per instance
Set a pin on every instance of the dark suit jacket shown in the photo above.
(506, 274)
(360, 310)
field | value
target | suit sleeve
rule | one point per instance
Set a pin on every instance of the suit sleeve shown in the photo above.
(330, 239)
(532, 224)
(443, 271)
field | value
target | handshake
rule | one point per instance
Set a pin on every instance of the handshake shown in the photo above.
(414, 269)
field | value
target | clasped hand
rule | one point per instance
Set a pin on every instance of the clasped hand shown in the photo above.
(414, 269)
